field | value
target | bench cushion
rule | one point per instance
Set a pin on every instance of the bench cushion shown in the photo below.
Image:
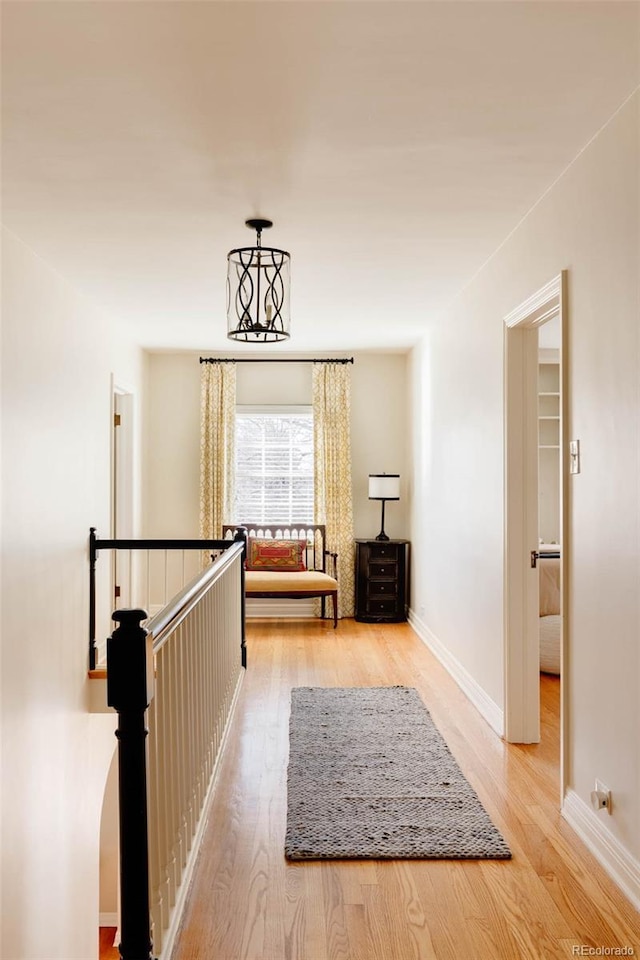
(276, 555)
(259, 581)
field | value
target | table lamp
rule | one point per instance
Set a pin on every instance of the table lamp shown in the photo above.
(384, 486)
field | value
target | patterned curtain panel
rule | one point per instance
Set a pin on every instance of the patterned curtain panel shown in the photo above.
(332, 482)
(217, 446)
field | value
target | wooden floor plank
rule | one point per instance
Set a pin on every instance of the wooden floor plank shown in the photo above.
(248, 903)
(107, 948)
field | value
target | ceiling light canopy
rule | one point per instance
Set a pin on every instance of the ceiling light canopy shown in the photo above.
(258, 294)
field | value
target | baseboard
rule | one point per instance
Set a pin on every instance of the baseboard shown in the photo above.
(280, 608)
(488, 709)
(108, 920)
(590, 826)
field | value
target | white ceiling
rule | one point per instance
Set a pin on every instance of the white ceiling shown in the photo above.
(394, 144)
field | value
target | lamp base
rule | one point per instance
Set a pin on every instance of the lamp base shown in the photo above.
(382, 535)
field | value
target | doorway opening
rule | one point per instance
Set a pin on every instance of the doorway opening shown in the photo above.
(536, 512)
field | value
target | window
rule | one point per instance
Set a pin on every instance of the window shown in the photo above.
(274, 465)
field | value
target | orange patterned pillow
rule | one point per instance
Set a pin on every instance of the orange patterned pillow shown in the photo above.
(274, 555)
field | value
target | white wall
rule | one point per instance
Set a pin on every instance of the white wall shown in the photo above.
(58, 354)
(588, 223)
(380, 441)
(110, 848)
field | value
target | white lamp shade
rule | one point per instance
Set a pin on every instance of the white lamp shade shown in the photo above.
(384, 486)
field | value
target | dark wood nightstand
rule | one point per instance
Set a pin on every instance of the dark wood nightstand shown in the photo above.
(382, 580)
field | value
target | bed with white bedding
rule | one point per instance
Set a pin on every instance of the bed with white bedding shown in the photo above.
(549, 590)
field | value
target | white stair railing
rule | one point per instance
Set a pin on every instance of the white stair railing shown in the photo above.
(145, 574)
(192, 658)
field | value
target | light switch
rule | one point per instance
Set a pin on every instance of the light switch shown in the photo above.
(574, 456)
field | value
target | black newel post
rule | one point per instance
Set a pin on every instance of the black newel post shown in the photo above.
(241, 537)
(130, 691)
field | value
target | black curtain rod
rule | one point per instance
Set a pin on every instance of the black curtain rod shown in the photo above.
(270, 360)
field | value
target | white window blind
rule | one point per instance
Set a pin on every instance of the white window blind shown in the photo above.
(274, 465)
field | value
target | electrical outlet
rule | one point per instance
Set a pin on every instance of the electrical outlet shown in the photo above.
(601, 797)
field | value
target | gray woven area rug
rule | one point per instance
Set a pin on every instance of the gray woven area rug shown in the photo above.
(370, 776)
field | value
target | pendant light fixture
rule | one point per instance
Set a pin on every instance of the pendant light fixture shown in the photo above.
(258, 280)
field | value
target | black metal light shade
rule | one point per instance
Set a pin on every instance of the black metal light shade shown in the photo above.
(258, 291)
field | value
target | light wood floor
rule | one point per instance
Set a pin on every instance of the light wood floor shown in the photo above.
(248, 903)
(106, 938)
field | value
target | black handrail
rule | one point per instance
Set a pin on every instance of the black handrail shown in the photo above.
(96, 544)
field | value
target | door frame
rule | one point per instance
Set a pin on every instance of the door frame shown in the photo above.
(122, 485)
(521, 645)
